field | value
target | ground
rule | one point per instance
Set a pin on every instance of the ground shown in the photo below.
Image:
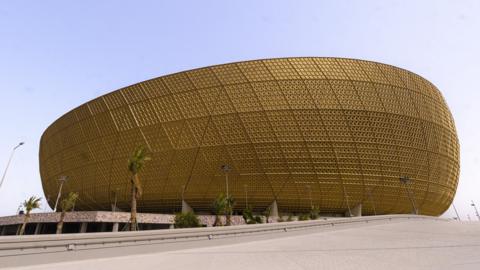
(405, 244)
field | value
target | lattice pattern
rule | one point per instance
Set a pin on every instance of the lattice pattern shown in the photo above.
(339, 131)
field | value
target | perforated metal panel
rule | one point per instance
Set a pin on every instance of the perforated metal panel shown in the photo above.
(324, 131)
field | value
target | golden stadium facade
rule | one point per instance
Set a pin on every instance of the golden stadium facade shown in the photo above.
(327, 132)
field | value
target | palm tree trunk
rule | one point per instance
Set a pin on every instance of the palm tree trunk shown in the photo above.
(24, 225)
(217, 221)
(60, 223)
(133, 211)
(228, 219)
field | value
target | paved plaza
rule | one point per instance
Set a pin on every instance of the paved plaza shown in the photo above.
(406, 244)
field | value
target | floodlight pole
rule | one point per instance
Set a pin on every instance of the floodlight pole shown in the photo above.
(476, 210)
(405, 180)
(456, 212)
(9, 161)
(62, 180)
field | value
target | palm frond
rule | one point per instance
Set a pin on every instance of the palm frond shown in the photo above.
(68, 203)
(32, 203)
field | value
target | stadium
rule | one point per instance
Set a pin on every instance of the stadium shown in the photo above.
(331, 133)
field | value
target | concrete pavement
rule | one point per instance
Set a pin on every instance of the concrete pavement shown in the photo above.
(405, 244)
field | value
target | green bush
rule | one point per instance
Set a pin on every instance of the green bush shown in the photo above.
(303, 217)
(249, 218)
(247, 215)
(314, 213)
(290, 218)
(187, 220)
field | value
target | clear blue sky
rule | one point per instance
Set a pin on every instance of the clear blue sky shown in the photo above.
(56, 55)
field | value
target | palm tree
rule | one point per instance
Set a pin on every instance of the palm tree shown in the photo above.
(219, 207)
(230, 202)
(67, 204)
(30, 204)
(135, 166)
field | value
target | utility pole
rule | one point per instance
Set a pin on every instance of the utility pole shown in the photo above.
(9, 161)
(406, 180)
(62, 180)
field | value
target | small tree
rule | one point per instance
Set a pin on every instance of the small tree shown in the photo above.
(219, 208)
(135, 165)
(187, 220)
(66, 204)
(230, 203)
(29, 205)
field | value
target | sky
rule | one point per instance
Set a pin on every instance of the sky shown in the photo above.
(57, 55)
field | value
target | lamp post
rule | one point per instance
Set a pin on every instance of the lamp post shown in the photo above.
(226, 169)
(310, 195)
(372, 201)
(406, 180)
(62, 180)
(476, 210)
(9, 161)
(246, 195)
(115, 200)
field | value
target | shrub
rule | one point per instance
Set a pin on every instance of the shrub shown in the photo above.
(303, 217)
(250, 218)
(314, 213)
(187, 220)
(247, 215)
(290, 218)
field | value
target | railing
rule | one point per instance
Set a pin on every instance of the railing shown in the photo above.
(36, 244)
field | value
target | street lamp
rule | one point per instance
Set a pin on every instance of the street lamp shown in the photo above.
(115, 199)
(62, 180)
(246, 195)
(310, 195)
(9, 161)
(226, 169)
(406, 180)
(476, 210)
(369, 191)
